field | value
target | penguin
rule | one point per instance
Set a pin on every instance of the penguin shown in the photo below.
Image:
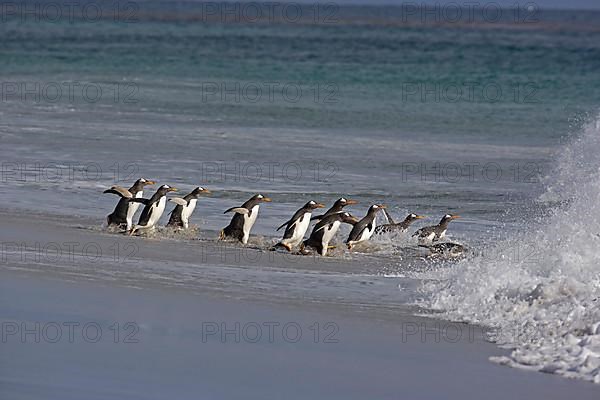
(297, 225)
(180, 215)
(363, 229)
(153, 210)
(325, 230)
(125, 209)
(243, 219)
(392, 226)
(446, 250)
(337, 207)
(430, 234)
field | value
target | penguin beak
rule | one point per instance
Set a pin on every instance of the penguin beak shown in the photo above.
(266, 199)
(381, 206)
(149, 183)
(319, 205)
(206, 191)
(172, 189)
(455, 217)
(420, 217)
(350, 202)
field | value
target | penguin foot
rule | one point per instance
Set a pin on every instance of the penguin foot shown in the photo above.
(331, 247)
(222, 235)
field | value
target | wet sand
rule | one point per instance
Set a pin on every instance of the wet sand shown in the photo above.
(178, 319)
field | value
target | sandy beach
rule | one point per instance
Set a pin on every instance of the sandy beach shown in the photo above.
(89, 329)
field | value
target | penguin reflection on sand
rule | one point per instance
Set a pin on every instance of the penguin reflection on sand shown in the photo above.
(180, 215)
(433, 233)
(297, 226)
(337, 207)
(325, 230)
(364, 229)
(393, 227)
(153, 210)
(243, 220)
(125, 209)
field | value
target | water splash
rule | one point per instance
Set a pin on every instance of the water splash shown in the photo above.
(540, 291)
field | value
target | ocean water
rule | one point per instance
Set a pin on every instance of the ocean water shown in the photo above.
(495, 121)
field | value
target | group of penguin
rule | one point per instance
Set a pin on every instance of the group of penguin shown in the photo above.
(296, 227)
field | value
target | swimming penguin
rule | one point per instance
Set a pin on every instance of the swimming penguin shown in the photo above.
(363, 229)
(392, 226)
(430, 234)
(337, 207)
(297, 225)
(446, 250)
(325, 230)
(244, 218)
(125, 209)
(180, 215)
(153, 210)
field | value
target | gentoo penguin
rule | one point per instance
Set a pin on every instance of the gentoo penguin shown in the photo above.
(430, 234)
(153, 210)
(446, 250)
(244, 218)
(325, 230)
(337, 207)
(180, 215)
(363, 229)
(392, 227)
(297, 225)
(125, 209)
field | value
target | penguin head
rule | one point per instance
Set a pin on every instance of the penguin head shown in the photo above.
(164, 189)
(413, 217)
(348, 218)
(376, 207)
(144, 182)
(261, 198)
(448, 217)
(200, 190)
(312, 205)
(343, 202)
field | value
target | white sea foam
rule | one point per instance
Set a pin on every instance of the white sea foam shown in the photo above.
(541, 291)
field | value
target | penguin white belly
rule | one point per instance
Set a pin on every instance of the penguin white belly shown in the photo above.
(157, 211)
(328, 235)
(427, 239)
(366, 234)
(249, 223)
(299, 231)
(187, 212)
(132, 209)
(442, 234)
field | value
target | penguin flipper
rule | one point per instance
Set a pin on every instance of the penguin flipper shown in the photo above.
(284, 224)
(238, 210)
(119, 191)
(140, 200)
(388, 216)
(319, 217)
(179, 201)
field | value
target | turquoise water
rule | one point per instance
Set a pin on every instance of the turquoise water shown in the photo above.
(367, 105)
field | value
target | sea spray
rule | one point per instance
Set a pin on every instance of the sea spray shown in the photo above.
(540, 291)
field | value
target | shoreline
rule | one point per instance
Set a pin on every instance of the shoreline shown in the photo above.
(172, 297)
